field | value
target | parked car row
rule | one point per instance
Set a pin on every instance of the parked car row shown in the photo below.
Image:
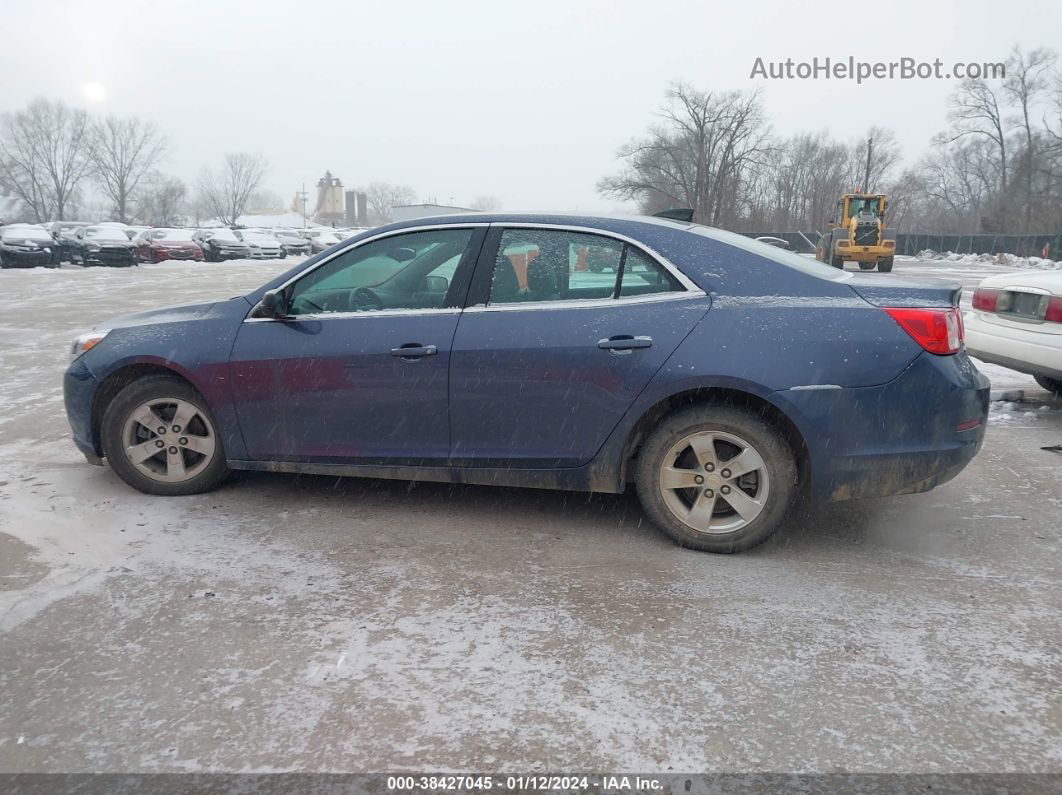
(117, 244)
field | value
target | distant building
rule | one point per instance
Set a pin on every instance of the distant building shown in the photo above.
(331, 200)
(407, 212)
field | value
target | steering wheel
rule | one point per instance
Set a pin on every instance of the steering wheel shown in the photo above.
(363, 296)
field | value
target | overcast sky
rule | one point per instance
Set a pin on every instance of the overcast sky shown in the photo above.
(524, 101)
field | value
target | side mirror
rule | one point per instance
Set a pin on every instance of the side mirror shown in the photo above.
(402, 254)
(436, 284)
(273, 305)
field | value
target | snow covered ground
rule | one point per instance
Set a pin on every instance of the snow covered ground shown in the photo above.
(313, 624)
(1008, 261)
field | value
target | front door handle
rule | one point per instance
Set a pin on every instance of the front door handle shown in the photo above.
(414, 350)
(624, 343)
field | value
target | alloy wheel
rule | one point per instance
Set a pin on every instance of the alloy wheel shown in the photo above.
(714, 482)
(169, 440)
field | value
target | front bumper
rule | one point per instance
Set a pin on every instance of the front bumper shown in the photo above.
(917, 431)
(232, 253)
(113, 257)
(164, 254)
(29, 259)
(79, 389)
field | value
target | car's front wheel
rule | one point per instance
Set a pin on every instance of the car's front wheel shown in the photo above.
(716, 479)
(160, 437)
(1050, 384)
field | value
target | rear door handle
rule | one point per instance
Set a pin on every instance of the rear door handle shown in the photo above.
(413, 350)
(624, 343)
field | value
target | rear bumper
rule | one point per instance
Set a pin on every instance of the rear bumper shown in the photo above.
(1026, 351)
(906, 436)
(865, 253)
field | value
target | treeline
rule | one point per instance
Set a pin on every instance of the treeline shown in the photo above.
(51, 153)
(997, 168)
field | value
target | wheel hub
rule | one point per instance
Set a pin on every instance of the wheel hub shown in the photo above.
(714, 482)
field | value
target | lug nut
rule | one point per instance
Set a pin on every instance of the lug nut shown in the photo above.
(173, 450)
(176, 428)
(725, 473)
(162, 430)
(709, 493)
(183, 440)
(709, 467)
(160, 443)
(725, 489)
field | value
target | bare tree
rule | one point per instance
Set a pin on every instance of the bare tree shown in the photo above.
(124, 151)
(976, 111)
(44, 155)
(1028, 76)
(700, 155)
(226, 191)
(486, 204)
(161, 200)
(873, 158)
(382, 196)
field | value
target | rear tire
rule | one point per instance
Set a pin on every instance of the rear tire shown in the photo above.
(694, 446)
(837, 262)
(866, 266)
(1050, 384)
(160, 437)
(885, 265)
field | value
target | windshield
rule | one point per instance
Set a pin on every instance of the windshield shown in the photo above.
(35, 233)
(171, 234)
(106, 233)
(223, 234)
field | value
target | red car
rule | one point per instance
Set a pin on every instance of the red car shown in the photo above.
(158, 245)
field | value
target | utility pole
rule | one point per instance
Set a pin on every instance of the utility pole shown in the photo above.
(866, 175)
(302, 197)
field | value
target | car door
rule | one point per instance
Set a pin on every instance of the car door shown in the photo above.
(568, 328)
(357, 371)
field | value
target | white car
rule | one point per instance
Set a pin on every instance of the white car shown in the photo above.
(261, 245)
(320, 239)
(1016, 322)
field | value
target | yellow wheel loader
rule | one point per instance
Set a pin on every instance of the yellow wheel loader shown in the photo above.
(859, 234)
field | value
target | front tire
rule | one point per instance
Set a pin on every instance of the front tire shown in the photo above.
(716, 479)
(1050, 384)
(885, 265)
(160, 437)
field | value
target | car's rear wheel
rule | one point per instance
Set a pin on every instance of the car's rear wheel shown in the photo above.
(716, 479)
(160, 437)
(1050, 384)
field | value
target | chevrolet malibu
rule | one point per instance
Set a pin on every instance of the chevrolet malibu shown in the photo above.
(722, 377)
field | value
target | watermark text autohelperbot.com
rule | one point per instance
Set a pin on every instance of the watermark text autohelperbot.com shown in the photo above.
(851, 69)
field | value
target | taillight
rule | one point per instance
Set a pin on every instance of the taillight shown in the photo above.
(936, 330)
(1054, 310)
(985, 299)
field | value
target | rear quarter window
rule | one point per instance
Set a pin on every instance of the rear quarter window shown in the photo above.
(808, 265)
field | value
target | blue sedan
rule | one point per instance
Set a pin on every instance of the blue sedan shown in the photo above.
(723, 377)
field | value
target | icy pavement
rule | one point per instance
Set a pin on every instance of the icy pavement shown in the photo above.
(287, 623)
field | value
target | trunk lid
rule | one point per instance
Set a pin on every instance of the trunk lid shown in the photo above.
(884, 290)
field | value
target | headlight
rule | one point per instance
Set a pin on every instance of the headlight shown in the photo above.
(87, 341)
(92, 247)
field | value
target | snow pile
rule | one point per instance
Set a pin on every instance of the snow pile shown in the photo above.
(1007, 260)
